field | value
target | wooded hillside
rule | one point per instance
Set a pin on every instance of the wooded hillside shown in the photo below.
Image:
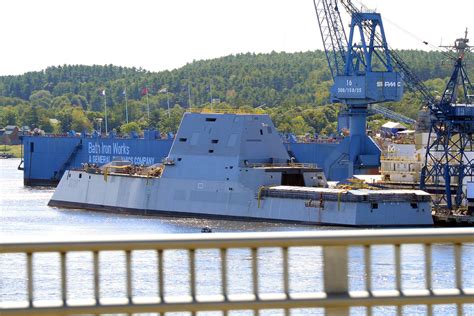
(292, 87)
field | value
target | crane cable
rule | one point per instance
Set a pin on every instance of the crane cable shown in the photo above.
(445, 52)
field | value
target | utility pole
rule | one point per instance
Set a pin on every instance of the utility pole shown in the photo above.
(126, 105)
(168, 101)
(105, 112)
(189, 96)
(145, 92)
(165, 90)
(210, 92)
(147, 105)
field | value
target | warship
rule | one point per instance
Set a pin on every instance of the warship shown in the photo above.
(235, 166)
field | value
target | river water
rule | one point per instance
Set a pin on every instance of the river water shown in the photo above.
(24, 213)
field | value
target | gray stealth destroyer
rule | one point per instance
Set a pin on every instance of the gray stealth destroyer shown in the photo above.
(235, 166)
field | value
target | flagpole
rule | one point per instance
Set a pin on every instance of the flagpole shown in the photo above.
(126, 106)
(210, 92)
(189, 96)
(147, 105)
(105, 113)
(168, 101)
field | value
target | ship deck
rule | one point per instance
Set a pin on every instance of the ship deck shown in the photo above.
(345, 195)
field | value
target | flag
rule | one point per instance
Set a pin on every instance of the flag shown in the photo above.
(145, 91)
(102, 92)
(124, 92)
(164, 90)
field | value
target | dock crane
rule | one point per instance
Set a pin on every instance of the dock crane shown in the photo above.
(452, 117)
(452, 125)
(451, 134)
(363, 74)
(451, 129)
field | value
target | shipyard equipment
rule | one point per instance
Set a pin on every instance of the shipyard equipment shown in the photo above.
(363, 74)
(452, 117)
(343, 116)
(452, 126)
(446, 164)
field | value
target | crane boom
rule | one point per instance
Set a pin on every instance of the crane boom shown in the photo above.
(412, 82)
(333, 35)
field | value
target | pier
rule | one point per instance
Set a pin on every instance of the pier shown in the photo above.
(336, 297)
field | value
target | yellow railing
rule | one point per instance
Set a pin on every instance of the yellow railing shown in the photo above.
(399, 172)
(336, 297)
(224, 111)
(279, 165)
(404, 159)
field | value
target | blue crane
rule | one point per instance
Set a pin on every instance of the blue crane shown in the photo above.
(447, 165)
(363, 74)
(392, 115)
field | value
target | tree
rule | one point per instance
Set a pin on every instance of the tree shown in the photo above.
(65, 119)
(79, 120)
(316, 119)
(8, 116)
(41, 98)
(170, 122)
(60, 102)
(299, 126)
(46, 125)
(31, 116)
(130, 127)
(79, 100)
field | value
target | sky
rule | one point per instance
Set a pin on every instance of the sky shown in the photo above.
(166, 34)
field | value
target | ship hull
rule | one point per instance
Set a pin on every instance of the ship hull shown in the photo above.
(169, 197)
(175, 214)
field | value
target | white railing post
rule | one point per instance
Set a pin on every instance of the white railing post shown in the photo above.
(335, 276)
(29, 276)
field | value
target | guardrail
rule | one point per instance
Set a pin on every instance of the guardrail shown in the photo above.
(225, 111)
(336, 298)
(392, 115)
(280, 165)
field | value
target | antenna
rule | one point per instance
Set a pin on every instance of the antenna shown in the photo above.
(460, 46)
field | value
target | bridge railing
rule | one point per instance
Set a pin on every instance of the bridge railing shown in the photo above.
(335, 298)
